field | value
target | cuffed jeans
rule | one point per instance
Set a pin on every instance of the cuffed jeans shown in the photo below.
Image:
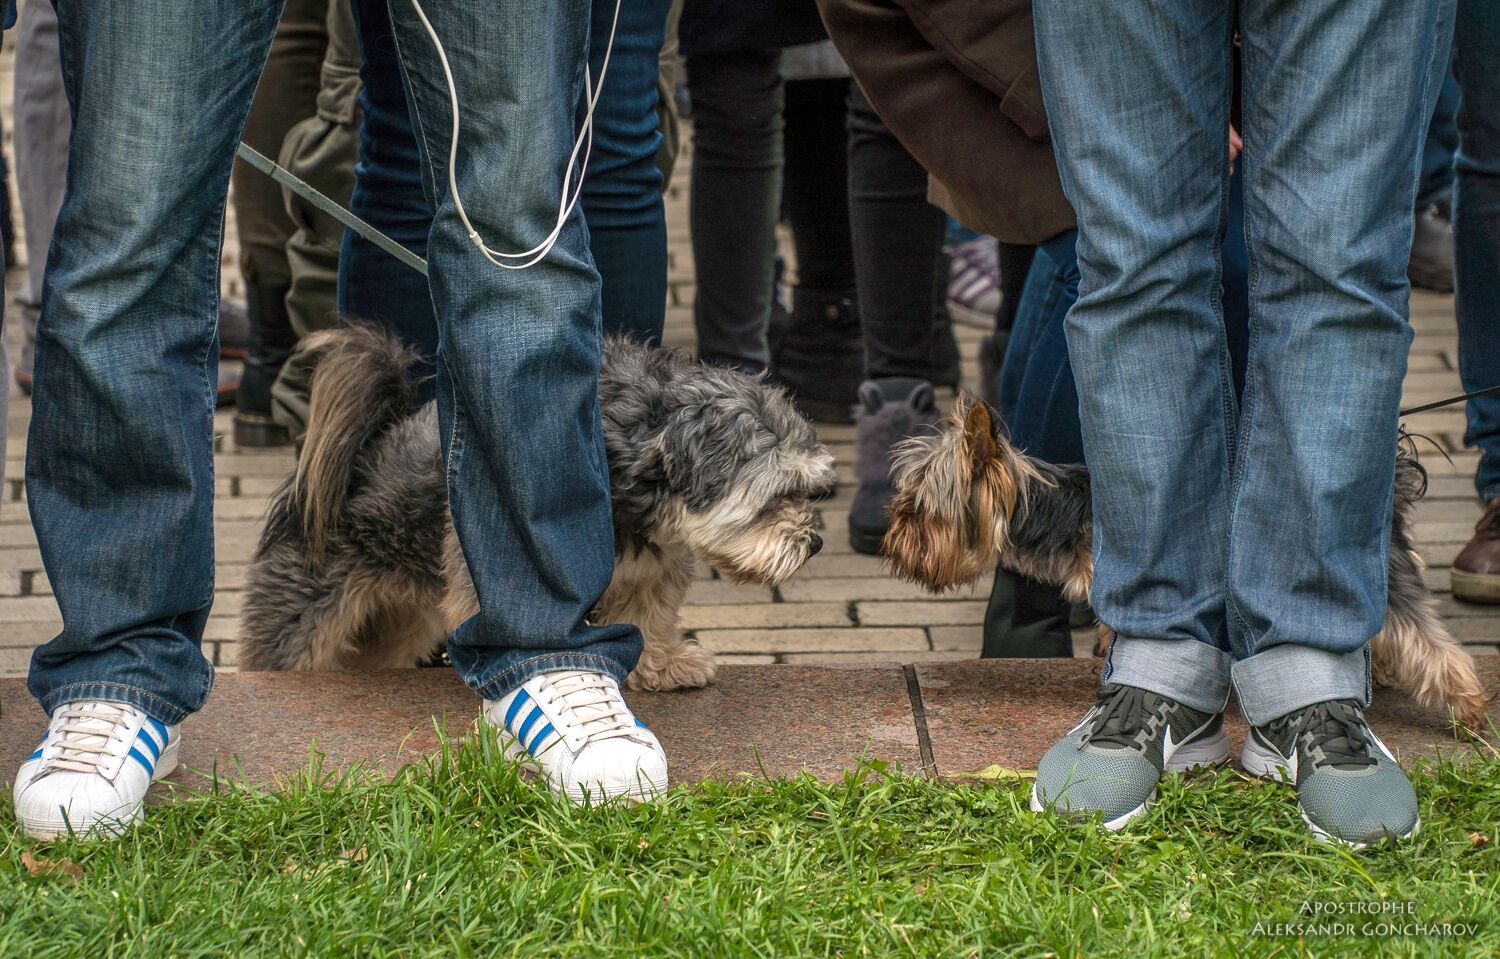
(1251, 533)
(1476, 229)
(120, 459)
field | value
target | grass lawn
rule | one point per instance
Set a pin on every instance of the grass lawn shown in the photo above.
(462, 857)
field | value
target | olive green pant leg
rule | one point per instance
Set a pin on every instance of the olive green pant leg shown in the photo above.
(666, 102)
(287, 95)
(321, 150)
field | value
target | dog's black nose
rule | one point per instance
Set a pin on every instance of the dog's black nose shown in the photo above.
(814, 545)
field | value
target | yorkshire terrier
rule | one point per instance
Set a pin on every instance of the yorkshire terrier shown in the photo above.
(359, 565)
(967, 497)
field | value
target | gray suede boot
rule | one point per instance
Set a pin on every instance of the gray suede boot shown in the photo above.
(889, 411)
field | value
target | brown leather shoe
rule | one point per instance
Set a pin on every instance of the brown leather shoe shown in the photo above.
(1476, 572)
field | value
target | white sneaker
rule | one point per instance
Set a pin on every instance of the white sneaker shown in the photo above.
(91, 772)
(574, 726)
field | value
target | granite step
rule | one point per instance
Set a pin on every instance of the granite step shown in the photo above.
(947, 719)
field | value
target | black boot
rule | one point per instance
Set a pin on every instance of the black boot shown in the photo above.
(1026, 620)
(271, 342)
(1431, 262)
(821, 356)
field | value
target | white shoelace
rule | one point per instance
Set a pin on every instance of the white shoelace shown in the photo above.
(595, 702)
(88, 736)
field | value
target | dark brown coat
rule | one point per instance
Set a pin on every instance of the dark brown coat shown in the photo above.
(956, 81)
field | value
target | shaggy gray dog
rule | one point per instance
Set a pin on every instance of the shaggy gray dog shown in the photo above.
(359, 566)
(966, 496)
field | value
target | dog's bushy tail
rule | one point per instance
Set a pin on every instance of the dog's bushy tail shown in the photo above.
(361, 387)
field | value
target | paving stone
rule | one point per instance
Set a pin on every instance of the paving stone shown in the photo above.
(778, 719)
(718, 592)
(832, 639)
(748, 615)
(928, 613)
(1008, 712)
(969, 638)
(846, 589)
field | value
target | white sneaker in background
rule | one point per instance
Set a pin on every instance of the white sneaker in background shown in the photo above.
(974, 282)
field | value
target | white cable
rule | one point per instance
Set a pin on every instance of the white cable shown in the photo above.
(584, 142)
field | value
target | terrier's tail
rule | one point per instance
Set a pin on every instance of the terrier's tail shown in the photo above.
(361, 387)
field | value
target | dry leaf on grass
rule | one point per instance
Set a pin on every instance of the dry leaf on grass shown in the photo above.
(46, 867)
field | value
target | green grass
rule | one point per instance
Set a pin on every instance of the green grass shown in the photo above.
(461, 857)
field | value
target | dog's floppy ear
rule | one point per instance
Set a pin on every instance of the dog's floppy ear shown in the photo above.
(979, 432)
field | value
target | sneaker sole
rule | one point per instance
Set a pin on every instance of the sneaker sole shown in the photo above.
(1119, 822)
(1265, 764)
(252, 431)
(106, 827)
(644, 791)
(966, 315)
(1476, 587)
(1433, 278)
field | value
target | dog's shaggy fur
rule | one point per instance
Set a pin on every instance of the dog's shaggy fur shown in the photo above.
(359, 565)
(966, 497)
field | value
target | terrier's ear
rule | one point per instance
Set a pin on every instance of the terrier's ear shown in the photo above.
(979, 432)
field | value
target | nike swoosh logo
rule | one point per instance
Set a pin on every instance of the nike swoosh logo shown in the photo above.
(1168, 747)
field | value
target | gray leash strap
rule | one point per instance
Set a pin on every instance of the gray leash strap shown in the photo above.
(311, 194)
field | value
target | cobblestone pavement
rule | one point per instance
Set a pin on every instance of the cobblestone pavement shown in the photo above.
(841, 609)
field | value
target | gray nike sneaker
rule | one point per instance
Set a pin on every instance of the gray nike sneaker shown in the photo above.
(1110, 762)
(1349, 788)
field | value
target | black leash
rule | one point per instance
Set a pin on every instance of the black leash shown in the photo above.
(1450, 401)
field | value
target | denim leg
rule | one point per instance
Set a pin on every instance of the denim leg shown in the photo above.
(388, 193)
(120, 460)
(1044, 419)
(1476, 229)
(1329, 335)
(622, 200)
(518, 355)
(1146, 337)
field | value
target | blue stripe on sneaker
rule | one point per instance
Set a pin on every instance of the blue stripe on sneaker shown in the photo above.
(145, 737)
(541, 735)
(522, 698)
(35, 755)
(145, 763)
(642, 725)
(159, 729)
(531, 718)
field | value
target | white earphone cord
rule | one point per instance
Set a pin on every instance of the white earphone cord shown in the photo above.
(584, 142)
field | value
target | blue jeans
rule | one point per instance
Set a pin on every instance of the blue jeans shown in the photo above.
(120, 466)
(1258, 527)
(621, 201)
(1476, 228)
(1038, 397)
